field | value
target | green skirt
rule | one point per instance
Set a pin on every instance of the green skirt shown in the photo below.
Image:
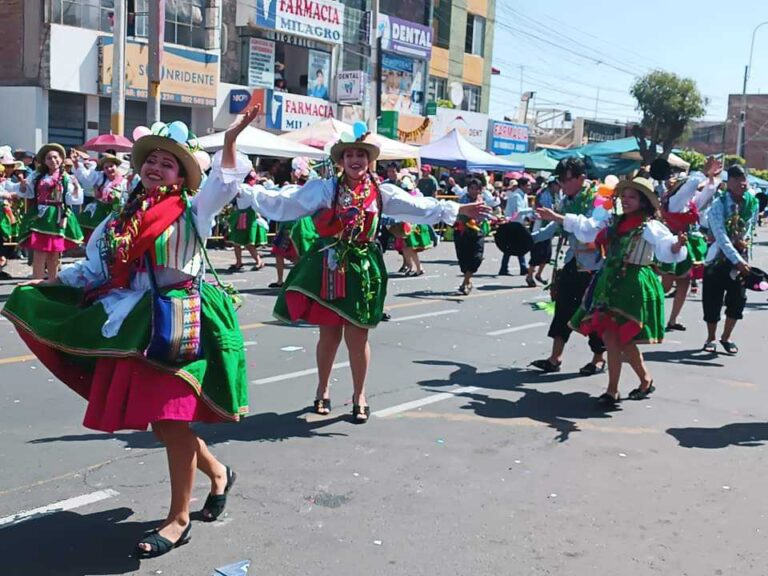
(244, 229)
(54, 319)
(8, 229)
(47, 222)
(697, 252)
(307, 294)
(629, 302)
(90, 218)
(419, 238)
(303, 234)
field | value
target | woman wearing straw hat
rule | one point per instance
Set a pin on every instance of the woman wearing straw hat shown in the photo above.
(340, 283)
(624, 304)
(154, 344)
(49, 226)
(109, 188)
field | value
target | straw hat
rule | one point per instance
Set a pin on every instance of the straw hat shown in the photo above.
(360, 140)
(43, 152)
(108, 159)
(175, 139)
(642, 185)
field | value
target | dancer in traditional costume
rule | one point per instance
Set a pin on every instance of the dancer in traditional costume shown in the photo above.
(624, 304)
(416, 237)
(10, 185)
(246, 228)
(49, 226)
(469, 235)
(136, 331)
(340, 283)
(680, 212)
(732, 220)
(108, 186)
(581, 262)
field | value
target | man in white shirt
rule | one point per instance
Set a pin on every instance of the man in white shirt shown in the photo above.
(517, 210)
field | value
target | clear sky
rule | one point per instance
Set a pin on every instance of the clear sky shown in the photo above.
(568, 49)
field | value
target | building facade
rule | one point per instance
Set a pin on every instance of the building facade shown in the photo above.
(55, 79)
(756, 128)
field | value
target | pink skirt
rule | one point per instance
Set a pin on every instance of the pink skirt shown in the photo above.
(301, 307)
(40, 242)
(126, 393)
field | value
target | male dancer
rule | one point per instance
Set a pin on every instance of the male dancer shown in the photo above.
(581, 263)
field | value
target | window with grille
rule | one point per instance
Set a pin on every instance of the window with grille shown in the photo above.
(471, 98)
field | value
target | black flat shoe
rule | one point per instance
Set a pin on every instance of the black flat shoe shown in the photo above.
(216, 503)
(546, 365)
(323, 406)
(160, 545)
(590, 369)
(676, 326)
(235, 268)
(640, 394)
(275, 285)
(360, 414)
(729, 347)
(607, 401)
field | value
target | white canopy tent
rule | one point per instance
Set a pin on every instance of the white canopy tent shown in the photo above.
(257, 142)
(325, 133)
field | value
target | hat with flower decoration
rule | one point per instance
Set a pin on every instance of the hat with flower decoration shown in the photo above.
(360, 139)
(174, 138)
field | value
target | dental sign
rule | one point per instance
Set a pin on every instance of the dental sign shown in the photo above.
(321, 20)
(406, 38)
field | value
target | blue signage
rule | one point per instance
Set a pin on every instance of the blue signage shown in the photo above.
(238, 100)
(507, 138)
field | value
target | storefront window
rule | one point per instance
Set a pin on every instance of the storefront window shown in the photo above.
(93, 14)
(475, 40)
(471, 99)
(410, 10)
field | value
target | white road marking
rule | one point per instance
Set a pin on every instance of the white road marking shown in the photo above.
(426, 315)
(424, 401)
(63, 505)
(515, 329)
(291, 375)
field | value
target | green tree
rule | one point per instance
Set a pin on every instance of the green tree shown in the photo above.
(668, 103)
(731, 159)
(695, 159)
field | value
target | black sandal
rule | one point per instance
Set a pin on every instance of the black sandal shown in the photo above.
(590, 369)
(640, 394)
(360, 414)
(235, 268)
(710, 346)
(607, 401)
(730, 347)
(215, 503)
(275, 285)
(323, 406)
(546, 366)
(676, 326)
(160, 545)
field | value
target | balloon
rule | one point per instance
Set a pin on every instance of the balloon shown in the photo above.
(159, 129)
(141, 131)
(611, 181)
(604, 190)
(203, 159)
(360, 129)
(763, 286)
(600, 201)
(600, 214)
(347, 138)
(178, 131)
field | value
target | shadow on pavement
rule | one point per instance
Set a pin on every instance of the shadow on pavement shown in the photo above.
(451, 296)
(555, 409)
(693, 357)
(267, 427)
(70, 544)
(745, 434)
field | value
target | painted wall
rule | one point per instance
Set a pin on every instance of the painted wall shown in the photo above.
(24, 116)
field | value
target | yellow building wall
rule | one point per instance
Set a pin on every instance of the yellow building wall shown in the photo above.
(479, 7)
(438, 65)
(473, 69)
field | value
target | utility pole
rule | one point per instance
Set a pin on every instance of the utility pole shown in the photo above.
(375, 80)
(155, 69)
(117, 122)
(741, 138)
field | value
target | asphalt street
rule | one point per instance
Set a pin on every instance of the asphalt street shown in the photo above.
(472, 464)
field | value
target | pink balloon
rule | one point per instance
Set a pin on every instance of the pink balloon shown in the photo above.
(599, 201)
(611, 181)
(140, 131)
(763, 285)
(203, 159)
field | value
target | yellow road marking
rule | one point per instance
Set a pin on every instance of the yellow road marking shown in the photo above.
(15, 359)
